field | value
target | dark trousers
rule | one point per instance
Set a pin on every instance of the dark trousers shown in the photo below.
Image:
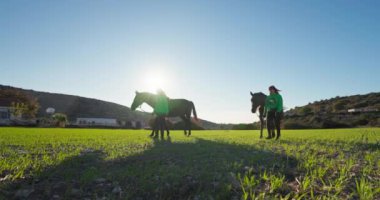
(274, 122)
(160, 124)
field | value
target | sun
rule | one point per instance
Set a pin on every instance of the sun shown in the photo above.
(155, 80)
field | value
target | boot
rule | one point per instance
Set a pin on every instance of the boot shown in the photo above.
(273, 135)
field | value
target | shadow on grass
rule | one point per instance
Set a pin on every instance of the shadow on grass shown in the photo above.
(200, 169)
(353, 145)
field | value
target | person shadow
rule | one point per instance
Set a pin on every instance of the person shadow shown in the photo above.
(165, 170)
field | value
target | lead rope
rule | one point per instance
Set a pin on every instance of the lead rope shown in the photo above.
(257, 113)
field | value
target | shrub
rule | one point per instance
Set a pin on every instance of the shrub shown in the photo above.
(254, 126)
(333, 124)
(181, 125)
(360, 104)
(306, 110)
(60, 119)
(340, 105)
(295, 125)
(360, 122)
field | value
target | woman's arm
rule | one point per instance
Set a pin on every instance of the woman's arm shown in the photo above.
(279, 104)
(265, 107)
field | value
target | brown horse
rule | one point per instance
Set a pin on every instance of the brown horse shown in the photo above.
(258, 103)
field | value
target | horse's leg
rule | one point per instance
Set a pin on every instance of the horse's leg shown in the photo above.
(269, 129)
(188, 116)
(162, 126)
(261, 126)
(189, 125)
(167, 129)
(184, 122)
(278, 124)
(270, 124)
(151, 135)
(156, 132)
(153, 127)
(156, 126)
(274, 125)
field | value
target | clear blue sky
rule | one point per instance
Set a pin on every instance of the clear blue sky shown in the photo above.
(211, 52)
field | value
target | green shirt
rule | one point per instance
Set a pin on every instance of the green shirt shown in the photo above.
(273, 102)
(162, 105)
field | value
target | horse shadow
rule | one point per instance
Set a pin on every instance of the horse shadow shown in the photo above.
(166, 170)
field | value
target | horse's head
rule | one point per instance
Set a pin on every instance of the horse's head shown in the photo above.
(137, 101)
(257, 99)
(143, 97)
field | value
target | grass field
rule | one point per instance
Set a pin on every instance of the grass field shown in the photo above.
(127, 164)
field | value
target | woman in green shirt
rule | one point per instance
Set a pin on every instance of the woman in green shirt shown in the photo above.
(161, 109)
(273, 109)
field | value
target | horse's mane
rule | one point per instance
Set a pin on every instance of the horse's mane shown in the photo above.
(259, 93)
(147, 93)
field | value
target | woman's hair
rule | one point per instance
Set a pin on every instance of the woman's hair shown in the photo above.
(272, 87)
(161, 92)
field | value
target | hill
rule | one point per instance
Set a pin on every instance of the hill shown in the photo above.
(76, 106)
(338, 112)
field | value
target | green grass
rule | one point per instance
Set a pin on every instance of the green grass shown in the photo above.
(127, 164)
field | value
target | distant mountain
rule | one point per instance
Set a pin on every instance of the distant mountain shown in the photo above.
(76, 106)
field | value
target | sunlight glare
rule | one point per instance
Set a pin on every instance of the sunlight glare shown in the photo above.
(155, 80)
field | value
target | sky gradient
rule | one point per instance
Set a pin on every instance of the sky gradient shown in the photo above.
(210, 52)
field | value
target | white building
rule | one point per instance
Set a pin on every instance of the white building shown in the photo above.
(5, 115)
(8, 118)
(358, 110)
(138, 124)
(97, 122)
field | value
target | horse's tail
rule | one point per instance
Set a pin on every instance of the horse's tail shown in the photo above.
(194, 111)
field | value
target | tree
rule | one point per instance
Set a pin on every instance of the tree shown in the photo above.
(21, 104)
(17, 109)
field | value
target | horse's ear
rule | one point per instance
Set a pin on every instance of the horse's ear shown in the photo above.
(251, 93)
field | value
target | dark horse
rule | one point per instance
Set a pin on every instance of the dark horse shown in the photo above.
(177, 108)
(258, 103)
